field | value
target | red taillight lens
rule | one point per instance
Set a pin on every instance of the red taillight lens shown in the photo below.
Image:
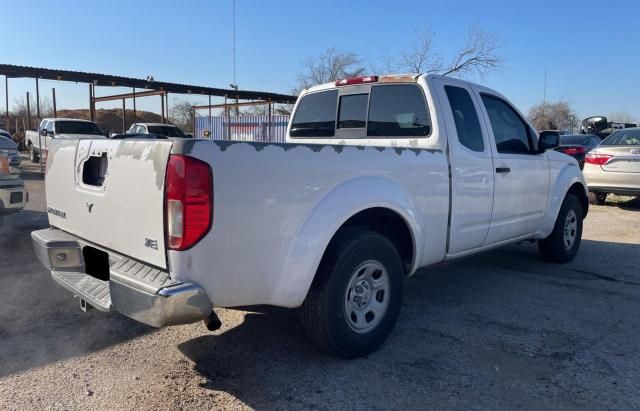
(188, 201)
(574, 150)
(357, 80)
(598, 159)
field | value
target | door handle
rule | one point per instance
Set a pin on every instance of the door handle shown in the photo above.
(502, 170)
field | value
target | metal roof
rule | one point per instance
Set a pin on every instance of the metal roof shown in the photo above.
(109, 80)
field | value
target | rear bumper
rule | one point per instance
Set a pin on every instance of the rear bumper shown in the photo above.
(13, 199)
(136, 290)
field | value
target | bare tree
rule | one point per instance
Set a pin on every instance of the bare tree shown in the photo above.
(421, 57)
(553, 116)
(19, 109)
(183, 114)
(479, 55)
(263, 110)
(332, 64)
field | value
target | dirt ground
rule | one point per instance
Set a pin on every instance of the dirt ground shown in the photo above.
(500, 330)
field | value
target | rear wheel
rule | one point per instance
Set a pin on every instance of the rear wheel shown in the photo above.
(562, 244)
(597, 197)
(355, 298)
(33, 156)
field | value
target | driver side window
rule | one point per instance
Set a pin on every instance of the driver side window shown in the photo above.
(50, 128)
(511, 133)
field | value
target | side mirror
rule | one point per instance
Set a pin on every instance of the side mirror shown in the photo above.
(548, 140)
(43, 132)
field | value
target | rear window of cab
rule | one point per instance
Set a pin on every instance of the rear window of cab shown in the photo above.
(394, 110)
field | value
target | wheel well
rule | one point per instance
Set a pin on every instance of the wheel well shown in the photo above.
(391, 225)
(578, 190)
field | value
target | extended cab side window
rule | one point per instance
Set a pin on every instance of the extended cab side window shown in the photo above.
(398, 110)
(316, 115)
(466, 118)
(511, 133)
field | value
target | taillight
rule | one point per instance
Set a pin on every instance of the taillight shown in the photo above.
(357, 80)
(573, 150)
(598, 159)
(188, 201)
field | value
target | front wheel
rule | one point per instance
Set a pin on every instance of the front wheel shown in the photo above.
(355, 298)
(562, 244)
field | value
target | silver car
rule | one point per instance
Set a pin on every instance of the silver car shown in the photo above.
(614, 166)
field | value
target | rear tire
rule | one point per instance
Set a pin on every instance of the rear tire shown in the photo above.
(32, 155)
(597, 197)
(562, 244)
(355, 297)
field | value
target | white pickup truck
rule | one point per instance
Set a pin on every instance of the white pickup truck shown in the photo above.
(37, 142)
(380, 176)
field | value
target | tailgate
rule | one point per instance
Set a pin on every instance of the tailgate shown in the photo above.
(111, 193)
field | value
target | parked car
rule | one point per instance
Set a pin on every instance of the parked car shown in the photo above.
(10, 148)
(614, 166)
(13, 196)
(167, 130)
(50, 128)
(379, 176)
(577, 145)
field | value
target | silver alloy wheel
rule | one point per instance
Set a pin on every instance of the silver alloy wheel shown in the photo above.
(367, 297)
(570, 229)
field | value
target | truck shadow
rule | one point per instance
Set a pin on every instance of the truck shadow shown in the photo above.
(483, 325)
(631, 205)
(40, 323)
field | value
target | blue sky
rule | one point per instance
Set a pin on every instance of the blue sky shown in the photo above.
(591, 49)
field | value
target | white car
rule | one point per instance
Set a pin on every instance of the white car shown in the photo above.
(166, 130)
(50, 128)
(379, 176)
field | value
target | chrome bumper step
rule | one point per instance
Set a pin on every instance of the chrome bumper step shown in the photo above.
(95, 292)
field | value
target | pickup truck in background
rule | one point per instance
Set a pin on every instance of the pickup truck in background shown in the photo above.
(50, 128)
(379, 176)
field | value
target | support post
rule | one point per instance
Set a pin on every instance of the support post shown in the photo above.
(194, 123)
(210, 119)
(269, 127)
(92, 103)
(124, 117)
(166, 105)
(227, 129)
(28, 113)
(162, 107)
(55, 110)
(6, 97)
(37, 100)
(134, 105)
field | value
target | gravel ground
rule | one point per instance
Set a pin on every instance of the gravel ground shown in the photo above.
(500, 330)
